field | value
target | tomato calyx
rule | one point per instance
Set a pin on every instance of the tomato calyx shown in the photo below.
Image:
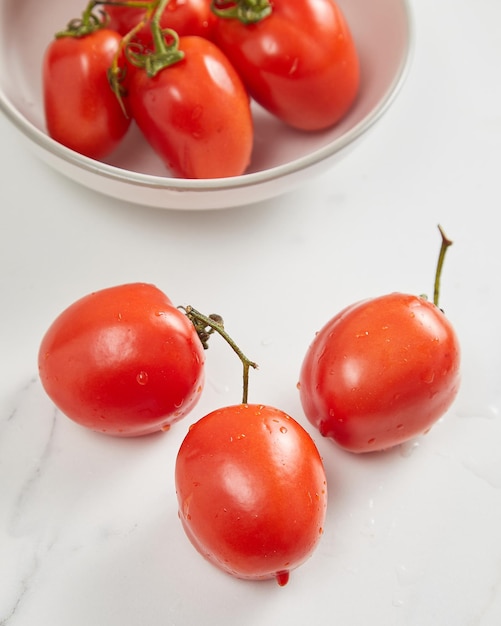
(165, 51)
(89, 22)
(206, 326)
(246, 11)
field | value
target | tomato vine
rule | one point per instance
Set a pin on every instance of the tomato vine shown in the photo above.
(246, 11)
(205, 326)
(446, 243)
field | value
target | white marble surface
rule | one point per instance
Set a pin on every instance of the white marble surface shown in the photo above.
(89, 534)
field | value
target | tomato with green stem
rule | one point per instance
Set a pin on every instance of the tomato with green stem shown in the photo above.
(81, 110)
(251, 489)
(382, 371)
(298, 59)
(190, 104)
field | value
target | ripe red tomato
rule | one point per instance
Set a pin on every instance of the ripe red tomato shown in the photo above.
(195, 113)
(300, 62)
(81, 110)
(252, 491)
(186, 17)
(380, 372)
(124, 361)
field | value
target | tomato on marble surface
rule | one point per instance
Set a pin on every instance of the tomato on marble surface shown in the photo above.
(382, 370)
(252, 491)
(81, 110)
(297, 59)
(123, 361)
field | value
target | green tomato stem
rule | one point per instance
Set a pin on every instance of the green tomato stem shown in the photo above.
(164, 54)
(205, 327)
(246, 11)
(140, 4)
(87, 24)
(446, 242)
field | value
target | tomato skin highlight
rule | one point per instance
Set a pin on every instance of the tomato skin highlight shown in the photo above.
(123, 361)
(195, 113)
(300, 63)
(380, 372)
(81, 110)
(252, 491)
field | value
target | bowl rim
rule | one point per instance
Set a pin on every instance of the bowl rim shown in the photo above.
(91, 166)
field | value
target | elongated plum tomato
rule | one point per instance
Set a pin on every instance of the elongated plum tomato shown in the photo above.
(300, 62)
(123, 361)
(195, 113)
(81, 110)
(252, 491)
(380, 372)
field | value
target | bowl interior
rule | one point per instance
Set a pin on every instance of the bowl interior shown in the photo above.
(380, 27)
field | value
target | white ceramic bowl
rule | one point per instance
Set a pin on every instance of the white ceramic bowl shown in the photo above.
(282, 158)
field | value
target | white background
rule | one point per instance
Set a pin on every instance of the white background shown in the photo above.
(89, 534)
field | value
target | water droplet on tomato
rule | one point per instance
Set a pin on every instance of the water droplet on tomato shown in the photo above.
(323, 428)
(298, 385)
(294, 66)
(364, 333)
(282, 578)
(165, 428)
(428, 377)
(371, 441)
(142, 378)
(283, 430)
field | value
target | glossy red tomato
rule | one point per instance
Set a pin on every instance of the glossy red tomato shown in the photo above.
(252, 491)
(124, 361)
(81, 110)
(195, 113)
(380, 372)
(300, 62)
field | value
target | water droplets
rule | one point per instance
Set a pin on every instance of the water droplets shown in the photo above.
(142, 378)
(282, 577)
(361, 334)
(428, 377)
